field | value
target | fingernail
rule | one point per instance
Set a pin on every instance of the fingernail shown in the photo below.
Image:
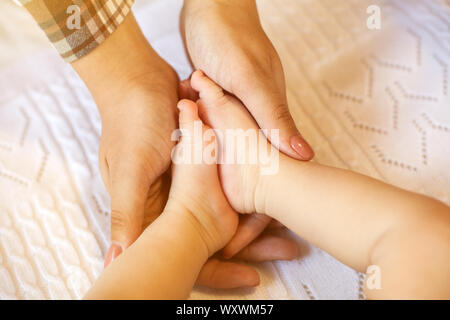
(301, 147)
(114, 251)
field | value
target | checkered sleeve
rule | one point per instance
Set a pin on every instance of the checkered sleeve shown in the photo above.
(76, 27)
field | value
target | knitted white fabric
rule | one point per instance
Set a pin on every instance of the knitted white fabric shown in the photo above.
(372, 101)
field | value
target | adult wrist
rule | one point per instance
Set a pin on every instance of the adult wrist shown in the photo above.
(194, 6)
(121, 62)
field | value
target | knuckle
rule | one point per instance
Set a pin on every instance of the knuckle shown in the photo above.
(119, 220)
(125, 227)
(281, 113)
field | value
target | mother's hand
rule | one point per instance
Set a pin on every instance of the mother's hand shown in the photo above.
(224, 38)
(136, 92)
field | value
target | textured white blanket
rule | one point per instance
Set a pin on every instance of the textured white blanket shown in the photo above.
(372, 101)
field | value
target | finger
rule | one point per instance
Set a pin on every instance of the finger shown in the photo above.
(186, 91)
(269, 108)
(250, 227)
(269, 247)
(227, 275)
(129, 184)
(156, 199)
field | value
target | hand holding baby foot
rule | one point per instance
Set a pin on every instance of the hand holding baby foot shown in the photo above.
(198, 221)
(243, 183)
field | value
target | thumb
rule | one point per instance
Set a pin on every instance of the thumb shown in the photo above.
(129, 188)
(270, 110)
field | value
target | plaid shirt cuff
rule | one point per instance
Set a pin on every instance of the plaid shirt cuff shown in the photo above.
(76, 27)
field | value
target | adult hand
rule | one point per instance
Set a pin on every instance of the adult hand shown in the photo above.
(224, 39)
(136, 93)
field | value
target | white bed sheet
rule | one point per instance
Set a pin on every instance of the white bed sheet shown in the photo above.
(376, 102)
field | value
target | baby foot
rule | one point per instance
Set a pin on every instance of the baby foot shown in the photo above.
(195, 184)
(245, 155)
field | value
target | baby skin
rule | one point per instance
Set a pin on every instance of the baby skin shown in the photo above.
(360, 221)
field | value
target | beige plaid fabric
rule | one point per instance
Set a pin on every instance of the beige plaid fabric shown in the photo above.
(76, 27)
